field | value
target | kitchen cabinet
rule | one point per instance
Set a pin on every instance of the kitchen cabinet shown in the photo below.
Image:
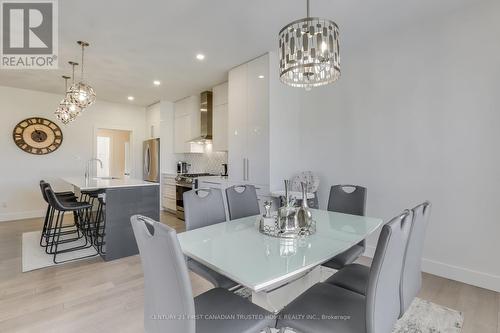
(257, 150)
(153, 121)
(220, 94)
(168, 193)
(187, 125)
(248, 122)
(220, 118)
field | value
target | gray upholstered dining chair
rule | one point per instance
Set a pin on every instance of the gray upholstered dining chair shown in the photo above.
(242, 203)
(204, 207)
(353, 202)
(354, 277)
(411, 277)
(377, 312)
(168, 299)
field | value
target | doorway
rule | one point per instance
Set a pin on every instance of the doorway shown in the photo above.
(113, 149)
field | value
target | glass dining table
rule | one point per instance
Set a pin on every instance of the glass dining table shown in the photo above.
(264, 263)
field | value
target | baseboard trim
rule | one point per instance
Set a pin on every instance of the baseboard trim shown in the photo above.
(465, 275)
(4, 217)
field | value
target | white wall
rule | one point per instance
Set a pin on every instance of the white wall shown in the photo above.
(415, 116)
(20, 172)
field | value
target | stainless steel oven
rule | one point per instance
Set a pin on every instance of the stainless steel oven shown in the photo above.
(180, 188)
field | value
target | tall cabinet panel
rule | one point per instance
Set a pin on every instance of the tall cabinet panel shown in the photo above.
(257, 152)
(248, 110)
(237, 122)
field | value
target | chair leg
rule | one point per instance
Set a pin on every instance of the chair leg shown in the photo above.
(88, 243)
(60, 218)
(44, 229)
(51, 232)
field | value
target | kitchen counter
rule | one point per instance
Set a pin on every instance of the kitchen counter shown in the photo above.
(215, 179)
(123, 198)
(103, 183)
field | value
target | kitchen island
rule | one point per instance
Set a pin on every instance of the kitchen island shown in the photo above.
(123, 198)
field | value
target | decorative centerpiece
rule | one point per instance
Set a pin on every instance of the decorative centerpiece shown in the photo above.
(268, 222)
(290, 221)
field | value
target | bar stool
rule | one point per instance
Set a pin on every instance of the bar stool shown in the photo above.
(63, 196)
(100, 224)
(61, 207)
(91, 197)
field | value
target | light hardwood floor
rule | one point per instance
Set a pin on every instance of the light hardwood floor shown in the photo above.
(96, 296)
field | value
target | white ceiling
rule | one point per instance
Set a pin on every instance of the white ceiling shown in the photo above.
(136, 42)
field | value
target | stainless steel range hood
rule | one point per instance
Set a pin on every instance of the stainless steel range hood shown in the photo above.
(206, 118)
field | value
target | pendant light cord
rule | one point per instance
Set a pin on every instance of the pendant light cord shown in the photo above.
(83, 49)
(307, 8)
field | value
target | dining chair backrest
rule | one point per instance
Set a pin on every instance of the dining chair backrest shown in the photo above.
(348, 202)
(411, 276)
(203, 207)
(382, 296)
(242, 203)
(167, 288)
(343, 201)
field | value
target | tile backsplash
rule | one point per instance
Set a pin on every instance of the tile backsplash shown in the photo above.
(210, 162)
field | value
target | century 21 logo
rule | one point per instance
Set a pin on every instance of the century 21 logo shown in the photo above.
(29, 35)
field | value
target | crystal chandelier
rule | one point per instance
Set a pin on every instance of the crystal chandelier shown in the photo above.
(67, 111)
(309, 52)
(81, 93)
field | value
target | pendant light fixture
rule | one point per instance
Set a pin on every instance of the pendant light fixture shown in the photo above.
(62, 112)
(68, 111)
(81, 93)
(309, 52)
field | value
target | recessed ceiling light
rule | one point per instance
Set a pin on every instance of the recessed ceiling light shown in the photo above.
(130, 98)
(156, 82)
(200, 56)
(261, 76)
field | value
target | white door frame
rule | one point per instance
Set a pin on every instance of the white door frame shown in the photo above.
(117, 128)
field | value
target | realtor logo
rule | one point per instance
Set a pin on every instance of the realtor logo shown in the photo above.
(29, 34)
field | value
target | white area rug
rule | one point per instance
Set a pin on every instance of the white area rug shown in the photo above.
(34, 256)
(426, 317)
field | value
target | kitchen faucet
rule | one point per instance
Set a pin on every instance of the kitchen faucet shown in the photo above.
(87, 167)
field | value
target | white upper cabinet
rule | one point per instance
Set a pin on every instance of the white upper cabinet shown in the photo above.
(153, 121)
(187, 125)
(220, 94)
(220, 118)
(248, 122)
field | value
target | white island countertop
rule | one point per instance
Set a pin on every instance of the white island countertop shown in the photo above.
(103, 183)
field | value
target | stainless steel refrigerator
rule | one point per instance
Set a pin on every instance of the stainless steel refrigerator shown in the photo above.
(151, 162)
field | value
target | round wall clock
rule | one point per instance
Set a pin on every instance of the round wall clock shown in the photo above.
(37, 136)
